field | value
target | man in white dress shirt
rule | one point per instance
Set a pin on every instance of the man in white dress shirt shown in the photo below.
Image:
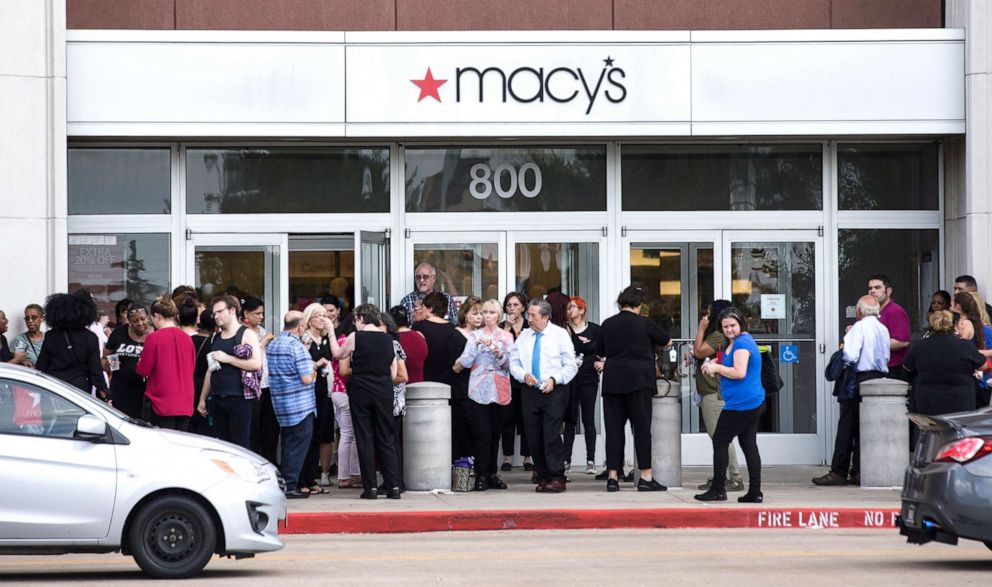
(866, 346)
(543, 359)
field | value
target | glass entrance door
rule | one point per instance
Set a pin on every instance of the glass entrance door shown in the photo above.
(242, 265)
(775, 277)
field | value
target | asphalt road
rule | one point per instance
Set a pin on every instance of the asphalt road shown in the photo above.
(585, 557)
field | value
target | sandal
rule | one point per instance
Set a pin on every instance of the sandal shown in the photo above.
(317, 490)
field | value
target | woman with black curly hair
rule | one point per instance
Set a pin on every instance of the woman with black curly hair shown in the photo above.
(70, 351)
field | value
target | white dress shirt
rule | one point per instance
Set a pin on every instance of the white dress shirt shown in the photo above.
(557, 355)
(867, 345)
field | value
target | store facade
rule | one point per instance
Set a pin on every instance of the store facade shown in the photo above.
(777, 169)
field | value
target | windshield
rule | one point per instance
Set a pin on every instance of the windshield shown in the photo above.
(86, 400)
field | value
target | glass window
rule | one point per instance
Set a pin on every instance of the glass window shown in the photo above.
(488, 179)
(774, 285)
(287, 180)
(722, 177)
(908, 257)
(888, 177)
(321, 265)
(32, 410)
(571, 268)
(117, 266)
(120, 181)
(462, 270)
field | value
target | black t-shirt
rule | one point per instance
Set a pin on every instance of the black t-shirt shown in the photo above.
(129, 350)
(5, 354)
(585, 345)
(437, 335)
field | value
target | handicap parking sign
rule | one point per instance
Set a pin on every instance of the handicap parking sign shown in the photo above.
(788, 353)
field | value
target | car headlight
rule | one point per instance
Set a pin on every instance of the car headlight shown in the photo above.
(239, 467)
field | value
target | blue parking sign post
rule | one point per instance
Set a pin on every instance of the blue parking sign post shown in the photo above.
(788, 353)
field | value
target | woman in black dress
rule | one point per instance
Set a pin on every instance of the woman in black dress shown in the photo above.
(514, 305)
(627, 344)
(945, 368)
(462, 430)
(70, 351)
(370, 395)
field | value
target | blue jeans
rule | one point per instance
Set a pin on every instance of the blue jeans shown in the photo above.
(295, 442)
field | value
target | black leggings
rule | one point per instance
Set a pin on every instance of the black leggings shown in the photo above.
(487, 421)
(582, 395)
(744, 426)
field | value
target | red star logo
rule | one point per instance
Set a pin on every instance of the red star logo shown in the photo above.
(428, 86)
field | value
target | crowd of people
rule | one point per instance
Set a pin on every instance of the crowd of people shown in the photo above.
(947, 365)
(334, 381)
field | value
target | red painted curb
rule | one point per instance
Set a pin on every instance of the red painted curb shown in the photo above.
(400, 522)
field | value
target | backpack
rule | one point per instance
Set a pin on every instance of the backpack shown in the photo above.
(770, 379)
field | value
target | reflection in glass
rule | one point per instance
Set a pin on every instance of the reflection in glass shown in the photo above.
(321, 180)
(909, 257)
(722, 177)
(888, 176)
(571, 268)
(120, 181)
(241, 271)
(462, 269)
(496, 179)
(319, 266)
(679, 280)
(774, 285)
(117, 266)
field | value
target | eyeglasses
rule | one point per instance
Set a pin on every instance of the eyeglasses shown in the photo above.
(422, 277)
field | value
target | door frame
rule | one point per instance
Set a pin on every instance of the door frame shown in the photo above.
(780, 449)
(273, 314)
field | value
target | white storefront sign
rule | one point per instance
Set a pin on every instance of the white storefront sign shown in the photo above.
(608, 83)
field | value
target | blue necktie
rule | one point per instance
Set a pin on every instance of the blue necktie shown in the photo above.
(535, 361)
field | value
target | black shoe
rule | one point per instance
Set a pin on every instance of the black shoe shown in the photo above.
(370, 494)
(528, 466)
(481, 484)
(831, 479)
(394, 493)
(496, 483)
(629, 477)
(506, 467)
(603, 476)
(652, 485)
(854, 479)
(296, 494)
(752, 497)
(612, 485)
(533, 477)
(712, 495)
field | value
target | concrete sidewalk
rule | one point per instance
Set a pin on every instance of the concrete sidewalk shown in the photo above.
(791, 501)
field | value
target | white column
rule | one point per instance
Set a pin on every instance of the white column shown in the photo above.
(32, 154)
(968, 161)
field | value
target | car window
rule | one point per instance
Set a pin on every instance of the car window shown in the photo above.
(29, 409)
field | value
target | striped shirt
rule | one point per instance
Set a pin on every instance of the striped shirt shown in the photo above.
(288, 361)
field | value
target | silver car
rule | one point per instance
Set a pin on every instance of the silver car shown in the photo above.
(78, 476)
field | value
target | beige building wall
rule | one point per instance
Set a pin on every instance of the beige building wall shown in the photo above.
(32, 154)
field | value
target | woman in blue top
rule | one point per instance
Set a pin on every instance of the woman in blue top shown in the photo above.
(740, 384)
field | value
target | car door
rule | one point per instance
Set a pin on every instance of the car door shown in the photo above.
(53, 487)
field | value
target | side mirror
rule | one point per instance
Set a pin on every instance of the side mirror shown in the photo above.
(91, 427)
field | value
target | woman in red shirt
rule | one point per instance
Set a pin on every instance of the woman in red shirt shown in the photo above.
(167, 362)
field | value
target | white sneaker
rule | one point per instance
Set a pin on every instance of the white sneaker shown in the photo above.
(590, 468)
(325, 480)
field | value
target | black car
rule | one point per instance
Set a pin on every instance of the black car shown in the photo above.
(947, 493)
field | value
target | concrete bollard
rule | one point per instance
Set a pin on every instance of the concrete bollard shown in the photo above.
(427, 437)
(884, 434)
(666, 434)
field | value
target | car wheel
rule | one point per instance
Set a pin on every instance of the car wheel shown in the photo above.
(172, 537)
